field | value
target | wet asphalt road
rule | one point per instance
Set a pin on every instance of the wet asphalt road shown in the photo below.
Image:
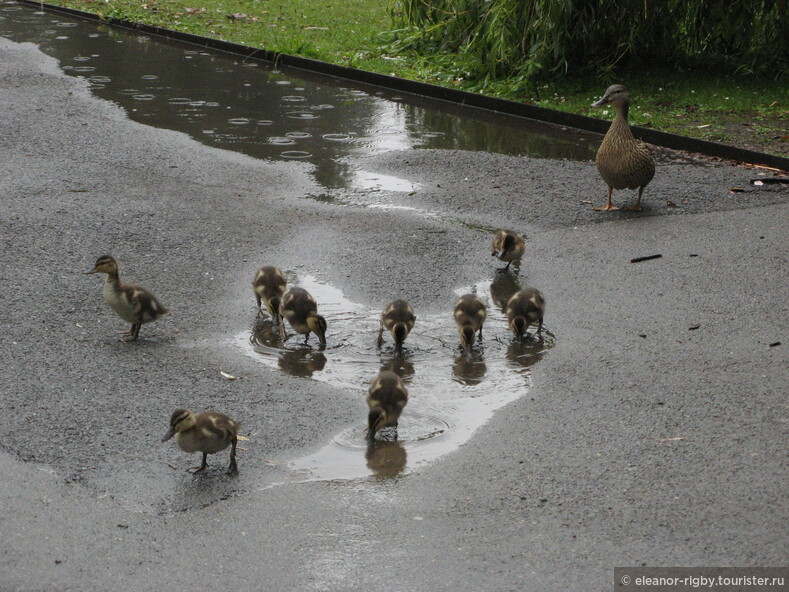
(640, 441)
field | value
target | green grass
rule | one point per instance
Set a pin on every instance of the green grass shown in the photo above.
(743, 111)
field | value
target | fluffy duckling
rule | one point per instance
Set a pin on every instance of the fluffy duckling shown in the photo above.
(508, 246)
(623, 161)
(269, 286)
(301, 311)
(470, 314)
(523, 309)
(398, 318)
(134, 304)
(207, 432)
(386, 398)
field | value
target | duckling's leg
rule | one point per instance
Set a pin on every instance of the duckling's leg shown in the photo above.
(381, 335)
(609, 206)
(233, 468)
(260, 310)
(203, 466)
(133, 333)
(306, 338)
(282, 331)
(539, 329)
(637, 207)
(480, 332)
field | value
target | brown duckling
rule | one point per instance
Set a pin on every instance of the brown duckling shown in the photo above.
(207, 432)
(623, 161)
(398, 318)
(269, 286)
(508, 246)
(299, 308)
(523, 309)
(470, 314)
(134, 304)
(386, 398)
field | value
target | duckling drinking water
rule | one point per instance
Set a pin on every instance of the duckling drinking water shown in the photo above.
(299, 308)
(398, 318)
(386, 399)
(470, 314)
(207, 432)
(269, 286)
(134, 304)
(508, 246)
(622, 161)
(523, 309)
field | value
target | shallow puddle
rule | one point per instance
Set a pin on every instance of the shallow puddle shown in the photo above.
(450, 394)
(265, 112)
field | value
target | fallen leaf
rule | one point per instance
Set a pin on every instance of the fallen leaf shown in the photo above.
(670, 204)
(693, 327)
(702, 126)
(240, 437)
(586, 201)
(226, 375)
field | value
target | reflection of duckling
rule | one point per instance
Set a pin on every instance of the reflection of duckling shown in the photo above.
(470, 314)
(134, 304)
(385, 459)
(469, 370)
(400, 366)
(622, 161)
(301, 311)
(503, 286)
(508, 246)
(302, 362)
(386, 398)
(207, 432)
(523, 309)
(525, 354)
(269, 286)
(398, 318)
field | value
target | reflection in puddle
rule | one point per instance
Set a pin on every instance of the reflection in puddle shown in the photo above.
(451, 395)
(255, 108)
(386, 459)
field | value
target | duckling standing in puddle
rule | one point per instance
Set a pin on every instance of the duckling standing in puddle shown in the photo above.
(269, 286)
(299, 308)
(525, 308)
(207, 432)
(386, 399)
(470, 314)
(508, 246)
(398, 318)
(622, 161)
(134, 304)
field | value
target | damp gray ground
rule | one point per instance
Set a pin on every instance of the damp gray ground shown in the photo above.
(638, 441)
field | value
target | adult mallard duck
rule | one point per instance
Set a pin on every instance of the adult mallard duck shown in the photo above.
(269, 286)
(470, 313)
(134, 304)
(386, 399)
(623, 161)
(299, 308)
(523, 309)
(398, 318)
(207, 432)
(508, 246)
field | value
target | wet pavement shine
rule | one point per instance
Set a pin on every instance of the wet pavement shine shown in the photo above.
(646, 427)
